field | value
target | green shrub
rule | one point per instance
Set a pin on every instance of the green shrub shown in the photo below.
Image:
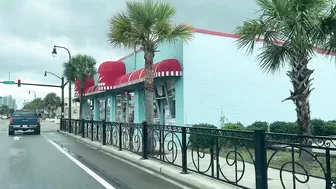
(331, 128)
(284, 127)
(202, 141)
(258, 125)
(319, 127)
(44, 117)
(234, 126)
(231, 142)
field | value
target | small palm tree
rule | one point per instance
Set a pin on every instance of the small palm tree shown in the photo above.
(81, 67)
(51, 102)
(145, 25)
(291, 29)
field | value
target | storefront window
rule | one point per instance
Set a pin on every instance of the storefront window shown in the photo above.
(108, 107)
(119, 109)
(164, 102)
(125, 107)
(103, 110)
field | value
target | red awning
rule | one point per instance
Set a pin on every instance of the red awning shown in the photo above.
(168, 67)
(108, 72)
(88, 83)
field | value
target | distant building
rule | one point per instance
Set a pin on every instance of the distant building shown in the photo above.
(9, 101)
(74, 107)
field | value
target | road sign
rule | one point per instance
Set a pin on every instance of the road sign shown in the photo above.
(9, 82)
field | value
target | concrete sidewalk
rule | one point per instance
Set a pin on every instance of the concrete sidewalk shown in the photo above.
(244, 173)
(169, 171)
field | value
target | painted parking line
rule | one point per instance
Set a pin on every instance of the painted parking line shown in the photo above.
(86, 169)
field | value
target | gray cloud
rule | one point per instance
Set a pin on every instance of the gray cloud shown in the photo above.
(29, 29)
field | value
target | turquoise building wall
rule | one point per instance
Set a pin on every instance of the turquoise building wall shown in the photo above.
(219, 79)
(137, 61)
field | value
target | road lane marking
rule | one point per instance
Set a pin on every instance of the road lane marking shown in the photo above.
(86, 169)
(16, 138)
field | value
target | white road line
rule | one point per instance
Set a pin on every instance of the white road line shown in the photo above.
(86, 169)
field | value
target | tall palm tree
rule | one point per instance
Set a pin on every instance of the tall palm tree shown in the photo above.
(291, 29)
(81, 67)
(146, 24)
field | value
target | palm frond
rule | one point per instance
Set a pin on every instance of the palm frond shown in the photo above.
(69, 72)
(170, 34)
(146, 24)
(324, 34)
(273, 57)
(122, 33)
(274, 9)
(164, 11)
(250, 32)
(81, 67)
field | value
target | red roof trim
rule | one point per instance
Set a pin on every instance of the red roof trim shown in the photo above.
(222, 34)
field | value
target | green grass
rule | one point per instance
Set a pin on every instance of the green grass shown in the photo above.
(281, 157)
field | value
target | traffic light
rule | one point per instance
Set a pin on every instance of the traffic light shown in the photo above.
(19, 82)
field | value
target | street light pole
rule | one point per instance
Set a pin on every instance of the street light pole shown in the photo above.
(54, 52)
(62, 108)
(34, 94)
(62, 87)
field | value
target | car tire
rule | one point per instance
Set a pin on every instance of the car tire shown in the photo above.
(10, 132)
(37, 131)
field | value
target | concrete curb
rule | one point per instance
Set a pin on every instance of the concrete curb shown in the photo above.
(172, 172)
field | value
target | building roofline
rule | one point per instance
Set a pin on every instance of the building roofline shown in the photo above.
(222, 34)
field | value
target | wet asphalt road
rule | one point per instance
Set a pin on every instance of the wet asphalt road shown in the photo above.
(31, 162)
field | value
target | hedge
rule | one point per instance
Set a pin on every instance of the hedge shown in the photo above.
(318, 127)
(202, 141)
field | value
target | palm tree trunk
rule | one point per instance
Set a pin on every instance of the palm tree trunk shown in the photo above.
(149, 96)
(300, 78)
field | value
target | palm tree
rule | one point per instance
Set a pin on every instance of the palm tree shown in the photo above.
(147, 24)
(291, 29)
(81, 67)
(51, 102)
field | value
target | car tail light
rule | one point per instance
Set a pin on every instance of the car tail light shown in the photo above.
(38, 120)
(10, 120)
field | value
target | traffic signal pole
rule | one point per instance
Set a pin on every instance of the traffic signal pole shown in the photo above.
(35, 84)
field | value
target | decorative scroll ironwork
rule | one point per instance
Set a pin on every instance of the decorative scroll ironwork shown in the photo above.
(166, 143)
(97, 130)
(131, 137)
(86, 129)
(214, 151)
(90, 129)
(301, 170)
(314, 141)
(112, 133)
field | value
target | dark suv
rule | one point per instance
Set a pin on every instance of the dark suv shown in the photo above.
(24, 120)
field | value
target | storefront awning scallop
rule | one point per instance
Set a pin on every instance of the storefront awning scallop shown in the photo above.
(94, 90)
(165, 68)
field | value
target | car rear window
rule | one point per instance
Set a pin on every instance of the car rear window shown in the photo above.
(24, 113)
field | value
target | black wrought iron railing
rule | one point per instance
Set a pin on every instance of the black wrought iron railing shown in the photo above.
(248, 159)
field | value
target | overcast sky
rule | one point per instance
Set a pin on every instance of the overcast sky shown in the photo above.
(30, 28)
